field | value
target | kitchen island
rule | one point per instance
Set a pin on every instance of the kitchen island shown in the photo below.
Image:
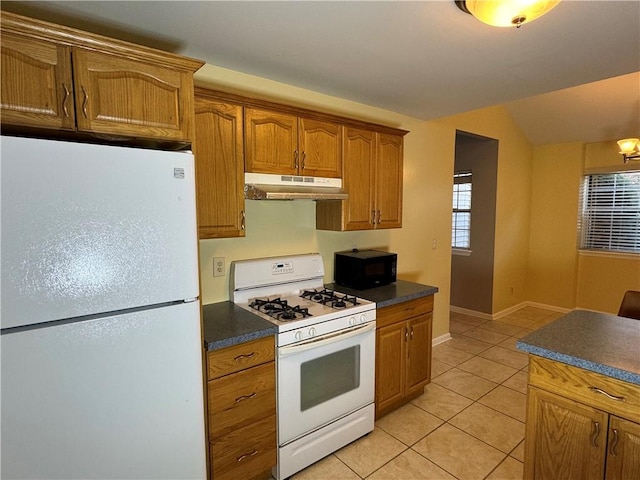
(583, 398)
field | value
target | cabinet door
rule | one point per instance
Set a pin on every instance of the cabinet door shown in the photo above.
(358, 178)
(389, 181)
(118, 96)
(37, 86)
(390, 363)
(271, 140)
(419, 354)
(320, 148)
(219, 157)
(564, 438)
(623, 458)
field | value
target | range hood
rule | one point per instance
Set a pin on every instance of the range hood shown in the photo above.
(262, 186)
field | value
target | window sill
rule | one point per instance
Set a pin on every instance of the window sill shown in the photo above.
(463, 252)
(609, 254)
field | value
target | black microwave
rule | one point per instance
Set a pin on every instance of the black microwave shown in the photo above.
(362, 269)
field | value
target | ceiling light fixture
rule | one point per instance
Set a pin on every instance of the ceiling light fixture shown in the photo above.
(506, 13)
(629, 149)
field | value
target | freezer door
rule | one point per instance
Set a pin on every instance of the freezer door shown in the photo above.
(112, 398)
(89, 229)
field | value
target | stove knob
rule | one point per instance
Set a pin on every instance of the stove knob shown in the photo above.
(352, 321)
(312, 332)
(298, 335)
(363, 318)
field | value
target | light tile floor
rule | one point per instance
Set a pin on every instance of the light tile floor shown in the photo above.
(469, 423)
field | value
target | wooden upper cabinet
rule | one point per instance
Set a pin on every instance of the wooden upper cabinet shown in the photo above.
(389, 181)
(59, 78)
(128, 97)
(320, 147)
(359, 178)
(219, 158)
(271, 142)
(372, 176)
(37, 85)
(280, 143)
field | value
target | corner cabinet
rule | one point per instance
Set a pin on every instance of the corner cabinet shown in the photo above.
(241, 404)
(59, 78)
(580, 424)
(403, 353)
(219, 155)
(372, 176)
(281, 143)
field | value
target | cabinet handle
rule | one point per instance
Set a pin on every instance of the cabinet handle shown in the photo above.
(85, 102)
(245, 397)
(406, 334)
(65, 100)
(295, 160)
(379, 217)
(595, 434)
(304, 157)
(248, 355)
(246, 455)
(602, 392)
(411, 334)
(373, 217)
(614, 442)
(242, 220)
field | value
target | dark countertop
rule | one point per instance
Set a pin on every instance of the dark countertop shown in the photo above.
(398, 292)
(598, 342)
(225, 324)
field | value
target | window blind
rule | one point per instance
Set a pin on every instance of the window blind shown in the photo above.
(461, 221)
(610, 212)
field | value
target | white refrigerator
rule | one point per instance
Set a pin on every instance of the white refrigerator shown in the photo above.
(101, 373)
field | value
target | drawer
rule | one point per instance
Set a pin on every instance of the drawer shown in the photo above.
(403, 311)
(239, 399)
(591, 388)
(238, 357)
(245, 452)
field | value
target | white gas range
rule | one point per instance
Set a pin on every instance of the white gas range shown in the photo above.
(325, 355)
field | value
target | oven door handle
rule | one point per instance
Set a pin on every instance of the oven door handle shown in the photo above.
(325, 339)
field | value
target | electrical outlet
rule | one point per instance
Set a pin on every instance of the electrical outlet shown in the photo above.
(218, 267)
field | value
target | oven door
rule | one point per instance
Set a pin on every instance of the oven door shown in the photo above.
(321, 380)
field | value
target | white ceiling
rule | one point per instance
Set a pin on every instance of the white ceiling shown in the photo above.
(425, 59)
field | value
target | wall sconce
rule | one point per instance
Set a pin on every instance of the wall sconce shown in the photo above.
(506, 13)
(629, 149)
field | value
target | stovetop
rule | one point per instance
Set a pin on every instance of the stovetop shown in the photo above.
(289, 292)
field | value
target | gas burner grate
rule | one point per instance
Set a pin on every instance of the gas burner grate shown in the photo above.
(330, 298)
(279, 309)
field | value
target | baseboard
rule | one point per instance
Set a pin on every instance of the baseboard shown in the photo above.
(440, 339)
(508, 311)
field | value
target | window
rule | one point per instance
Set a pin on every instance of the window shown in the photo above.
(610, 212)
(461, 222)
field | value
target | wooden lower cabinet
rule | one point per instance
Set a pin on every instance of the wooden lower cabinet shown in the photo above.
(241, 410)
(403, 353)
(574, 431)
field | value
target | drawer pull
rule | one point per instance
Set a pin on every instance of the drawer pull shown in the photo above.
(245, 397)
(248, 355)
(602, 392)
(595, 434)
(614, 442)
(246, 455)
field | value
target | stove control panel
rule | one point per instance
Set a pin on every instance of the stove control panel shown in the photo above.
(325, 328)
(280, 268)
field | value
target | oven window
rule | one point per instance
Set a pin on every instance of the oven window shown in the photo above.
(327, 377)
